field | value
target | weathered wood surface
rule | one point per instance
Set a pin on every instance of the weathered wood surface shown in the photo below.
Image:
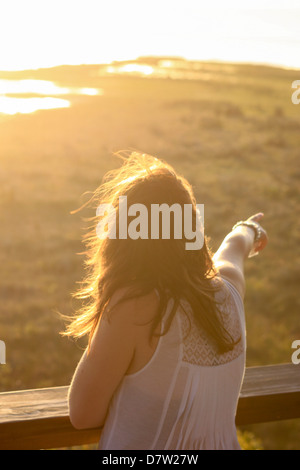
(269, 393)
(38, 419)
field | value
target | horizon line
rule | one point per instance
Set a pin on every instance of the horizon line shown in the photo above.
(158, 57)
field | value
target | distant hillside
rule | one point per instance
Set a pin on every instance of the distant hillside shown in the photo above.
(230, 129)
(77, 74)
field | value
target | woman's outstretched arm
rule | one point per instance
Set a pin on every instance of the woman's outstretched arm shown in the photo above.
(234, 250)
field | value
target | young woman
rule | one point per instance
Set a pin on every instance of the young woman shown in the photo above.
(166, 354)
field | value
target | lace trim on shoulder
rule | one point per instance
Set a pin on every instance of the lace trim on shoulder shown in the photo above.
(198, 348)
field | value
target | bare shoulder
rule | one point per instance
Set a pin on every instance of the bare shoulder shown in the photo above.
(134, 311)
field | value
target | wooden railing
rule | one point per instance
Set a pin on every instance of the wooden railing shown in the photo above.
(38, 419)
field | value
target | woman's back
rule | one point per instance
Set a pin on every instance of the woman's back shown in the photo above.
(176, 392)
(186, 395)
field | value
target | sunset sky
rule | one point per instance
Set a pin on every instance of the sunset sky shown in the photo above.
(44, 33)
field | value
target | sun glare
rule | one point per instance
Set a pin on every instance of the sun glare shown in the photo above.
(40, 87)
(131, 69)
(90, 91)
(29, 105)
(46, 89)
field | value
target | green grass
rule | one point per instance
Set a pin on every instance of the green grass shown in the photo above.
(235, 136)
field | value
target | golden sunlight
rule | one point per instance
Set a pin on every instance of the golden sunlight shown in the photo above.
(12, 106)
(90, 91)
(40, 87)
(131, 69)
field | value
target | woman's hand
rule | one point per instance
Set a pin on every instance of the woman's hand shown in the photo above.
(263, 241)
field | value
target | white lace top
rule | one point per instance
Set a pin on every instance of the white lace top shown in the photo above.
(185, 398)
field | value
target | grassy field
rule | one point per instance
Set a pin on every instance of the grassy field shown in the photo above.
(232, 130)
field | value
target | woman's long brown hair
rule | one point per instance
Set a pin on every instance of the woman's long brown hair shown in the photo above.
(142, 265)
